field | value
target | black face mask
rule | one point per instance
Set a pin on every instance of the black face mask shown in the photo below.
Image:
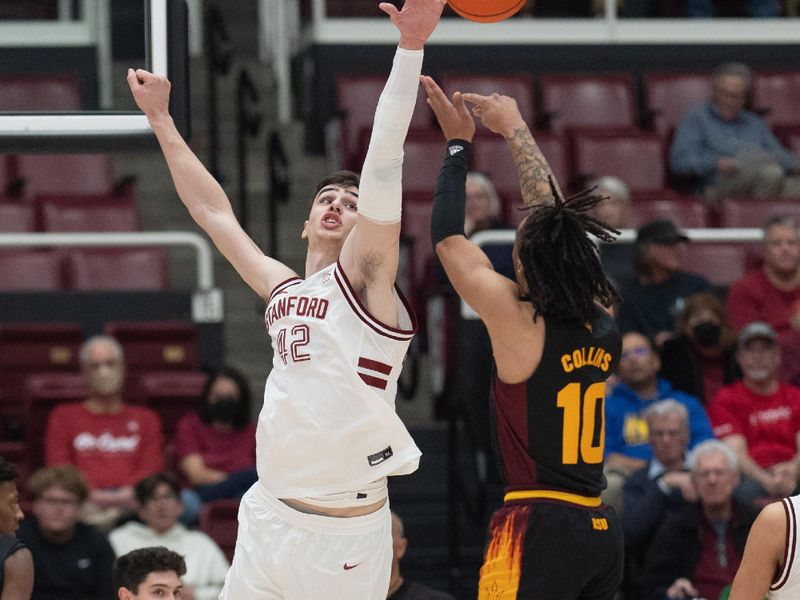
(224, 410)
(706, 334)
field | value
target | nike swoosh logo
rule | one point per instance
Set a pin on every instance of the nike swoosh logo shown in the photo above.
(348, 567)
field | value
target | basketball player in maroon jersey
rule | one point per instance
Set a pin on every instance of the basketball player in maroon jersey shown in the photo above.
(554, 343)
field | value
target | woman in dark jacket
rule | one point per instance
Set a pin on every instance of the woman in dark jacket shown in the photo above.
(700, 359)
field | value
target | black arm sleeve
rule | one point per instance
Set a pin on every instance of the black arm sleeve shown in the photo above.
(451, 193)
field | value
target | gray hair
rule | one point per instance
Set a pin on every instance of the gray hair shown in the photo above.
(488, 186)
(779, 219)
(613, 186)
(667, 407)
(713, 447)
(736, 69)
(85, 347)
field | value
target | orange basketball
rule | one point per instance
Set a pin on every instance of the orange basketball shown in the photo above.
(486, 11)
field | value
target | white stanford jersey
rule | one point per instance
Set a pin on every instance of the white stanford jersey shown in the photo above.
(787, 584)
(328, 423)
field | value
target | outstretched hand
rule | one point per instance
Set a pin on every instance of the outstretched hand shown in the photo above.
(500, 114)
(151, 92)
(416, 20)
(454, 118)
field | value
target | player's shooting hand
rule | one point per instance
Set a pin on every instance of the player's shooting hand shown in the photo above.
(500, 114)
(454, 117)
(416, 20)
(151, 92)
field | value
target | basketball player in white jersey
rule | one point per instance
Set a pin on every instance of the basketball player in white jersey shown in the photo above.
(770, 566)
(317, 524)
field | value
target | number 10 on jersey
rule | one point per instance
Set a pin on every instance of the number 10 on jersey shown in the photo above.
(579, 434)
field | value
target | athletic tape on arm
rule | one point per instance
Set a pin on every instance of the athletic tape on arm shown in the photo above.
(381, 191)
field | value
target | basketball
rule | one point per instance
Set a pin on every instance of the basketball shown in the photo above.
(486, 11)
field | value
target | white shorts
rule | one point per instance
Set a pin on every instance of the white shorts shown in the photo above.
(283, 554)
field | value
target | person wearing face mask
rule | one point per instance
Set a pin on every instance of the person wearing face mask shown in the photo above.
(216, 447)
(759, 418)
(701, 358)
(113, 444)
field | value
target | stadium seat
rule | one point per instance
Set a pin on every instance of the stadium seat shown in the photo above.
(156, 345)
(747, 212)
(416, 226)
(87, 213)
(35, 93)
(668, 96)
(424, 152)
(116, 269)
(25, 9)
(777, 92)
(219, 520)
(635, 157)
(356, 100)
(5, 173)
(31, 270)
(66, 173)
(791, 137)
(171, 394)
(684, 212)
(517, 85)
(16, 217)
(721, 264)
(587, 101)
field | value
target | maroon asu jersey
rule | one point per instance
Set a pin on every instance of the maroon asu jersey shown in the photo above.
(550, 430)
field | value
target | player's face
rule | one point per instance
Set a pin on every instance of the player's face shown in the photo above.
(730, 95)
(669, 437)
(164, 585)
(782, 249)
(714, 479)
(103, 369)
(638, 362)
(57, 510)
(10, 514)
(333, 214)
(162, 509)
(759, 360)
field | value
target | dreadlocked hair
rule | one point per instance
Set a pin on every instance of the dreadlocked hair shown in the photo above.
(560, 261)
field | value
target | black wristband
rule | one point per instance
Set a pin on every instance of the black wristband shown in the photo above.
(447, 217)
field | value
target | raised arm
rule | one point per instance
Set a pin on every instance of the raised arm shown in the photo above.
(501, 115)
(371, 252)
(199, 191)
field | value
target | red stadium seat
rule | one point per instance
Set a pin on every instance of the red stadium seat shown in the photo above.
(517, 85)
(669, 95)
(777, 93)
(43, 392)
(721, 264)
(356, 99)
(5, 173)
(219, 520)
(87, 213)
(66, 173)
(36, 93)
(31, 271)
(635, 157)
(25, 9)
(171, 394)
(16, 218)
(747, 212)
(423, 155)
(684, 212)
(587, 101)
(114, 269)
(416, 226)
(156, 345)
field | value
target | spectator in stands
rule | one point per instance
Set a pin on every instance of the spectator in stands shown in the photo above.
(627, 449)
(730, 149)
(159, 509)
(401, 588)
(16, 561)
(112, 443)
(701, 358)
(72, 560)
(696, 552)
(216, 447)
(759, 418)
(615, 210)
(482, 208)
(150, 574)
(654, 297)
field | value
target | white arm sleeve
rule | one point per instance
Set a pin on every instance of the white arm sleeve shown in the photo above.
(381, 190)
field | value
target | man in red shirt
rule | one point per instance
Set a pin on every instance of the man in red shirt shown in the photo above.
(759, 418)
(112, 443)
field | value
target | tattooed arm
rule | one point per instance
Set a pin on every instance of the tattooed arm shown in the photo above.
(501, 115)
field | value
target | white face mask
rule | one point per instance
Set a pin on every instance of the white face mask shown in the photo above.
(106, 381)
